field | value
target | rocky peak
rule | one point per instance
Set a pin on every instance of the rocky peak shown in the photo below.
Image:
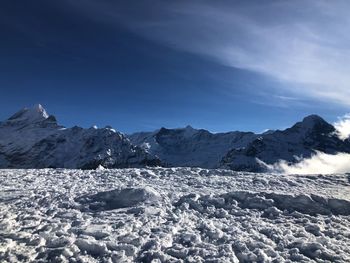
(34, 115)
(313, 123)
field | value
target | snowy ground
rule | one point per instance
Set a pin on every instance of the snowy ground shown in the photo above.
(172, 215)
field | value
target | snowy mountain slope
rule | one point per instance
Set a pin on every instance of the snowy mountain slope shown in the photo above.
(190, 147)
(172, 215)
(33, 139)
(300, 141)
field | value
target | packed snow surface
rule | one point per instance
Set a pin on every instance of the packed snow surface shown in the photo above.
(172, 215)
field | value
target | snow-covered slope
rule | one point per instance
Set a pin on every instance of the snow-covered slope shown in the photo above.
(190, 147)
(33, 139)
(300, 141)
(172, 215)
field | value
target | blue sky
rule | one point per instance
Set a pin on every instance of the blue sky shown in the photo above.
(141, 65)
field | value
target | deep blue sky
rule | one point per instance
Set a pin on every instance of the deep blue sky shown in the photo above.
(137, 67)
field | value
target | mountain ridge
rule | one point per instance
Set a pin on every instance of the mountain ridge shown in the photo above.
(304, 139)
(31, 138)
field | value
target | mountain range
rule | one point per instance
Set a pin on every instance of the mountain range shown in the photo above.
(31, 138)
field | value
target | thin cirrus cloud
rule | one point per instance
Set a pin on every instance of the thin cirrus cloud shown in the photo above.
(304, 44)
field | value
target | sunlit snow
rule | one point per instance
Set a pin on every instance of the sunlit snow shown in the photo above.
(172, 215)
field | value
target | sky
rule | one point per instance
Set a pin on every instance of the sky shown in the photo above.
(141, 65)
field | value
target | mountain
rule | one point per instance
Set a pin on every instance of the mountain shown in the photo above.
(301, 140)
(190, 147)
(31, 138)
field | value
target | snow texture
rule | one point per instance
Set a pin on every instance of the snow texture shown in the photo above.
(172, 215)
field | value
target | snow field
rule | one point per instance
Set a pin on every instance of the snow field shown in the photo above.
(172, 215)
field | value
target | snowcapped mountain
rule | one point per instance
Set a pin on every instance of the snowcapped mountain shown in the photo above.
(31, 138)
(300, 141)
(190, 147)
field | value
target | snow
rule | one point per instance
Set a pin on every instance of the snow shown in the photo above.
(172, 215)
(30, 115)
(189, 147)
(119, 198)
(302, 141)
(33, 139)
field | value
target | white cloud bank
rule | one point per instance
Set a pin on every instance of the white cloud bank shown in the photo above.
(320, 163)
(343, 127)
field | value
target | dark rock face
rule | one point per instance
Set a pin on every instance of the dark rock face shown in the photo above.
(300, 141)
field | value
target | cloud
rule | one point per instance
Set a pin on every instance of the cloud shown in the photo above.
(343, 127)
(304, 44)
(320, 163)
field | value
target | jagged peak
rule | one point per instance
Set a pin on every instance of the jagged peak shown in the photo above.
(34, 114)
(189, 131)
(313, 122)
(313, 118)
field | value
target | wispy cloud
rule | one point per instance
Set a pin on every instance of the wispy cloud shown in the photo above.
(305, 44)
(320, 163)
(343, 127)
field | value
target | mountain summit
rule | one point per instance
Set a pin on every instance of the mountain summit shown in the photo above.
(32, 139)
(31, 116)
(36, 113)
(300, 141)
(313, 122)
(190, 147)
